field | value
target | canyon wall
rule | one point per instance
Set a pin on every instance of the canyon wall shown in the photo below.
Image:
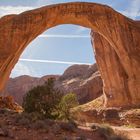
(116, 84)
(116, 41)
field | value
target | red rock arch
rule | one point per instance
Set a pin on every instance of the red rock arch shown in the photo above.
(116, 42)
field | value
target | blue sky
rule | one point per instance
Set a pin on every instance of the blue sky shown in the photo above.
(61, 46)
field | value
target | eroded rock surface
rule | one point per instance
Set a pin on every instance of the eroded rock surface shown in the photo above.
(117, 87)
(116, 39)
(83, 80)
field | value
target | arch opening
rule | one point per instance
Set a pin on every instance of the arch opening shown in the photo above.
(55, 50)
(59, 48)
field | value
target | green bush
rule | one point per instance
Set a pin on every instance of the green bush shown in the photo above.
(43, 99)
(47, 102)
(67, 102)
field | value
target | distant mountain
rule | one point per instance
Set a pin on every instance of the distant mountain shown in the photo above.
(83, 80)
(19, 86)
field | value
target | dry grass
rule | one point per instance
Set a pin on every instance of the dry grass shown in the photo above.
(108, 133)
(95, 104)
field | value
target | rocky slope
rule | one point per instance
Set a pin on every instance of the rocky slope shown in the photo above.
(84, 80)
(8, 103)
(19, 86)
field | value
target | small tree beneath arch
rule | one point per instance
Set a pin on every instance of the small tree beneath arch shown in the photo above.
(43, 100)
(67, 102)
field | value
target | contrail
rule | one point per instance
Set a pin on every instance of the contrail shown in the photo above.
(63, 36)
(50, 61)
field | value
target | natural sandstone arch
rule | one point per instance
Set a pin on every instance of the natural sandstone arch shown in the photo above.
(116, 39)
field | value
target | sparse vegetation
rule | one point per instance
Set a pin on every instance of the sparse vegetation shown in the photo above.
(43, 100)
(39, 124)
(96, 104)
(68, 126)
(130, 126)
(47, 102)
(67, 102)
(108, 133)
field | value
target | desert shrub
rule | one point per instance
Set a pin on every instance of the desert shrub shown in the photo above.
(105, 131)
(43, 100)
(24, 121)
(108, 133)
(47, 102)
(67, 102)
(39, 124)
(68, 126)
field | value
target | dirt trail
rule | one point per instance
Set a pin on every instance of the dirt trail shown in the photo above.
(133, 133)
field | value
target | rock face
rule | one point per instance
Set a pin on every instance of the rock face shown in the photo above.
(83, 80)
(118, 88)
(7, 102)
(116, 39)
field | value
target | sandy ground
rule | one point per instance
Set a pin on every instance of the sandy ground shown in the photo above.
(15, 127)
(133, 133)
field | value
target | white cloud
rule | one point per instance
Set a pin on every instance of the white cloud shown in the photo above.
(6, 10)
(21, 69)
(133, 10)
(45, 2)
(63, 36)
(51, 61)
(81, 29)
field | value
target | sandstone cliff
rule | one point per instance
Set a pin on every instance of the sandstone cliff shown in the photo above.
(83, 80)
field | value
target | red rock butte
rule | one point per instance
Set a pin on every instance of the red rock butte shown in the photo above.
(115, 39)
